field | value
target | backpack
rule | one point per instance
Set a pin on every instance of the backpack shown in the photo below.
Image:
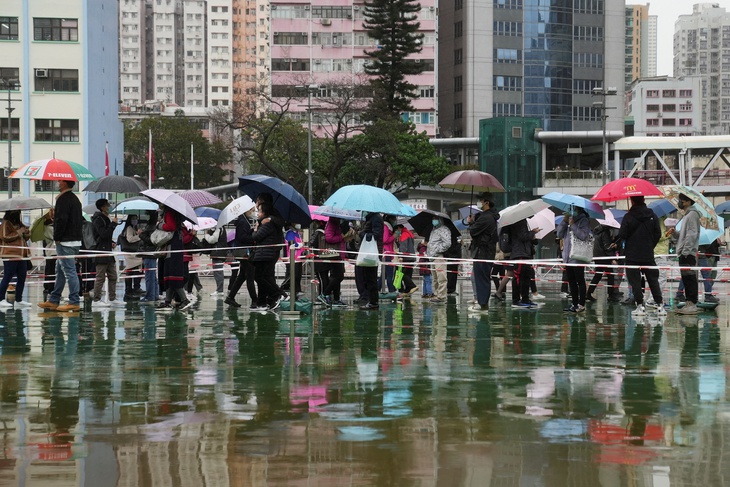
(505, 240)
(87, 235)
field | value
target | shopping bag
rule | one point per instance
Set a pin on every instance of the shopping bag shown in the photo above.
(398, 277)
(581, 250)
(367, 256)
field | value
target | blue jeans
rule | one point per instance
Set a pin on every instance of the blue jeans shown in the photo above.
(427, 289)
(66, 271)
(14, 268)
(151, 286)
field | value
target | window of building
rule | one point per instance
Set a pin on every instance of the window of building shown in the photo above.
(585, 86)
(9, 74)
(587, 60)
(508, 55)
(669, 122)
(63, 30)
(652, 93)
(507, 110)
(506, 28)
(685, 107)
(458, 110)
(458, 84)
(587, 33)
(57, 80)
(426, 92)
(458, 29)
(589, 6)
(14, 129)
(458, 56)
(291, 38)
(507, 83)
(669, 108)
(669, 93)
(652, 108)
(685, 121)
(8, 28)
(652, 122)
(508, 3)
(56, 130)
(4, 183)
(685, 93)
(458, 4)
(331, 12)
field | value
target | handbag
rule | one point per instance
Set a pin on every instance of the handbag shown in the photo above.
(581, 250)
(367, 256)
(398, 277)
(129, 247)
(160, 238)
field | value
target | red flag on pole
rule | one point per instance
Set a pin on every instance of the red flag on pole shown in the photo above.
(106, 162)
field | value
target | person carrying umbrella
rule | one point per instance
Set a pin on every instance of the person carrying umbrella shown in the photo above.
(242, 253)
(174, 266)
(149, 259)
(268, 236)
(438, 243)
(574, 223)
(67, 235)
(603, 249)
(407, 255)
(15, 254)
(369, 275)
(106, 267)
(522, 249)
(639, 228)
(483, 231)
(687, 246)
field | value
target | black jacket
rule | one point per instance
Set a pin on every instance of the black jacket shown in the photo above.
(640, 231)
(521, 238)
(602, 243)
(67, 219)
(103, 233)
(484, 234)
(374, 225)
(269, 234)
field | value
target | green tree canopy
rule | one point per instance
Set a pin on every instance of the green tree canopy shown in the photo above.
(171, 139)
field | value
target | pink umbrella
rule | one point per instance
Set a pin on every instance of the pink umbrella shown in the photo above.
(199, 197)
(315, 216)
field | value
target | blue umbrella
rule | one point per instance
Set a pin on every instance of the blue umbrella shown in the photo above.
(618, 214)
(723, 208)
(662, 207)
(708, 236)
(207, 212)
(368, 198)
(288, 202)
(135, 204)
(567, 202)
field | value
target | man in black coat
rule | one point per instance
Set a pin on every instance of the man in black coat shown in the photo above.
(483, 231)
(106, 267)
(67, 234)
(640, 230)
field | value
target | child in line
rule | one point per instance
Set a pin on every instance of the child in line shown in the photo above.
(424, 269)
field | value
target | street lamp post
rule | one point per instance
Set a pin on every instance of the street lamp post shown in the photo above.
(310, 89)
(603, 93)
(10, 84)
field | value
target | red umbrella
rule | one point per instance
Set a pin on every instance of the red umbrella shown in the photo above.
(625, 188)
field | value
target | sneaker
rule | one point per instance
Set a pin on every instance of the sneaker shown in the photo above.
(499, 296)
(48, 305)
(5, 304)
(99, 304)
(688, 309)
(662, 311)
(260, 309)
(476, 308)
(23, 304)
(565, 295)
(639, 311)
(521, 305)
(537, 296)
(278, 301)
(369, 306)
(412, 290)
(628, 301)
(185, 305)
(339, 304)
(681, 298)
(571, 309)
(163, 306)
(117, 303)
(231, 302)
(590, 298)
(324, 299)
(652, 306)
(217, 294)
(69, 307)
(437, 301)
(709, 298)
(580, 308)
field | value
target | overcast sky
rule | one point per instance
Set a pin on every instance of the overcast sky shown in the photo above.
(668, 11)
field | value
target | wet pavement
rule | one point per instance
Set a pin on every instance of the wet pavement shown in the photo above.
(412, 394)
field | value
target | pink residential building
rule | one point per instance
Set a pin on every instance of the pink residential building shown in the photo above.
(325, 42)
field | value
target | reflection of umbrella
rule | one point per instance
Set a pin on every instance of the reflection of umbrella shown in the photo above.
(116, 184)
(135, 204)
(567, 202)
(708, 216)
(625, 188)
(661, 207)
(235, 208)
(544, 220)
(173, 201)
(53, 170)
(723, 208)
(361, 197)
(330, 211)
(520, 211)
(609, 220)
(199, 197)
(708, 236)
(204, 223)
(421, 223)
(315, 216)
(23, 203)
(288, 202)
(208, 212)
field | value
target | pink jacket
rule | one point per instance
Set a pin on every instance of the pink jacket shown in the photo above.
(388, 239)
(333, 234)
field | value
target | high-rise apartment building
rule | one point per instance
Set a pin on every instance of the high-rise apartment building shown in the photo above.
(640, 49)
(525, 58)
(665, 106)
(702, 48)
(59, 61)
(325, 43)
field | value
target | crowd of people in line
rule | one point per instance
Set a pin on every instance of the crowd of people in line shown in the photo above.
(159, 250)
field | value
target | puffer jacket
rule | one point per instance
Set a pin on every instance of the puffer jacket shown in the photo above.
(640, 230)
(15, 240)
(266, 239)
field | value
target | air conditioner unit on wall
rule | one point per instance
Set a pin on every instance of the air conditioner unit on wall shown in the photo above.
(41, 73)
(326, 22)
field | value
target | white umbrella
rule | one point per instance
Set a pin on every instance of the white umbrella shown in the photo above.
(544, 220)
(609, 221)
(204, 223)
(173, 201)
(235, 208)
(24, 203)
(520, 211)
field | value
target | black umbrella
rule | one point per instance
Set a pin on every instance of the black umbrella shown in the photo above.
(288, 202)
(421, 223)
(116, 184)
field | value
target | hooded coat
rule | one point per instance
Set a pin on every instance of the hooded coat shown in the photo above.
(689, 235)
(640, 230)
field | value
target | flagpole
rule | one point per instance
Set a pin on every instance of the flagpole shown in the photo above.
(149, 162)
(192, 171)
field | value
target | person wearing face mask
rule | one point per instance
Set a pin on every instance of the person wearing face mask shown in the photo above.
(687, 246)
(483, 231)
(133, 262)
(439, 242)
(373, 228)
(242, 249)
